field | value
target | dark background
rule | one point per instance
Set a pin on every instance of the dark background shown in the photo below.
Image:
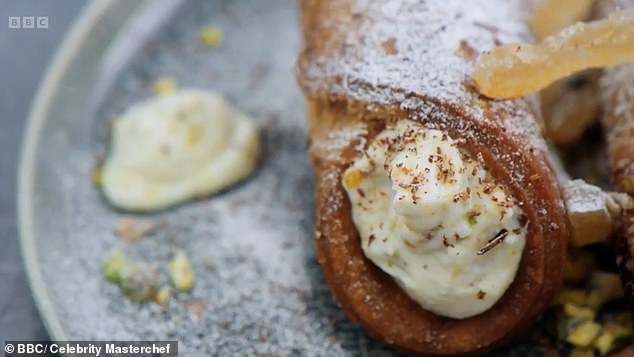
(24, 55)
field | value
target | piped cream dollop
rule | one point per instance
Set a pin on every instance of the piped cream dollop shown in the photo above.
(435, 220)
(175, 147)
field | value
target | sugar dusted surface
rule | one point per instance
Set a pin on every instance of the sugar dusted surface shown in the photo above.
(252, 247)
(427, 77)
(426, 36)
(618, 90)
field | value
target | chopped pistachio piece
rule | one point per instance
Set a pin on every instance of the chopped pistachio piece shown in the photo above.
(163, 295)
(139, 282)
(603, 343)
(579, 312)
(584, 334)
(210, 36)
(96, 176)
(181, 273)
(114, 264)
(165, 85)
(612, 337)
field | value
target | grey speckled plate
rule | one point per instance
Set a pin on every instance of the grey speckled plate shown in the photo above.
(251, 246)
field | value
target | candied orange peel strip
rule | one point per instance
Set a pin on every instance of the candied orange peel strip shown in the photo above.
(515, 70)
(551, 16)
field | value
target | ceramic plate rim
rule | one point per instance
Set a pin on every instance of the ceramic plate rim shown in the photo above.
(78, 33)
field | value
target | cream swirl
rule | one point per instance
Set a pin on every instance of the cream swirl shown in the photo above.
(175, 147)
(435, 220)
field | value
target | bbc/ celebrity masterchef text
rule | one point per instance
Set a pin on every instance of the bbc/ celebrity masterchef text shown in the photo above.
(92, 348)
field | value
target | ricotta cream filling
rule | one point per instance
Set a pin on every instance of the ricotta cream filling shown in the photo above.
(172, 148)
(435, 220)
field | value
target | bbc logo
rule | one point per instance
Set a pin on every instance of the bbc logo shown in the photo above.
(28, 22)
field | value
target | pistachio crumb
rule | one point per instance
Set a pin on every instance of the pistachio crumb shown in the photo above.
(210, 36)
(113, 264)
(163, 295)
(181, 273)
(139, 282)
(164, 85)
(584, 334)
(96, 176)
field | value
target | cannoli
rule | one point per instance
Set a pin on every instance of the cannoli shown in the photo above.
(441, 227)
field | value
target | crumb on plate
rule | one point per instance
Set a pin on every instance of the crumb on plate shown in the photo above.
(164, 85)
(210, 36)
(132, 229)
(181, 273)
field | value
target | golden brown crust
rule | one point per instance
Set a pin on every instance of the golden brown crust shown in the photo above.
(346, 109)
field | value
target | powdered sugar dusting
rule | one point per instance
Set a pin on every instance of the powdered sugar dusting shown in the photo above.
(251, 246)
(422, 76)
(332, 146)
(618, 90)
(424, 70)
